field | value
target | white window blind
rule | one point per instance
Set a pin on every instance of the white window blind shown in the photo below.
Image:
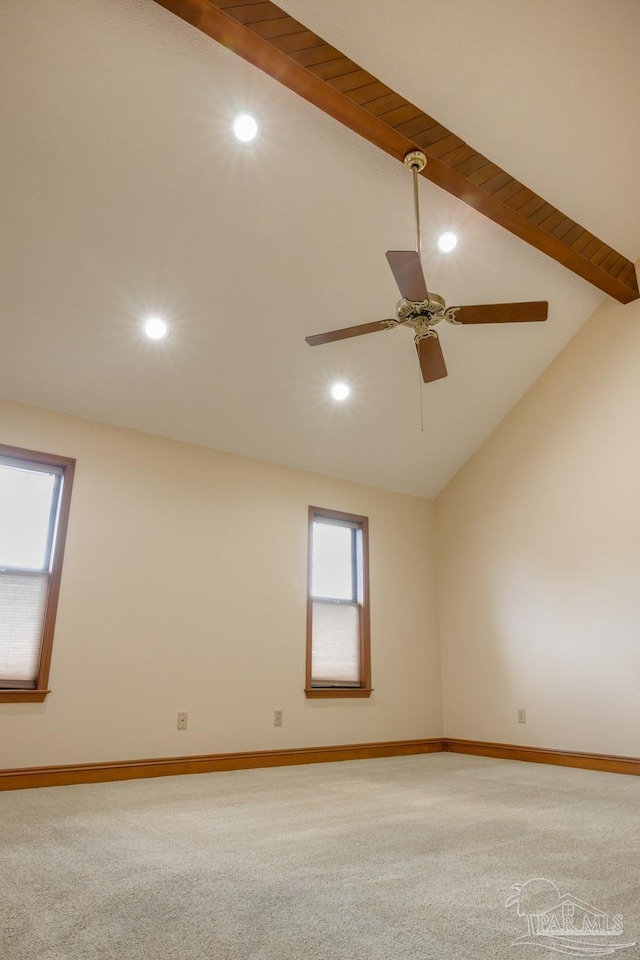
(338, 645)
(29, 500)
(335, 644)
(23, 597)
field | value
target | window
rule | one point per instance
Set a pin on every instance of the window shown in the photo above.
(338, 659)
(35, 493)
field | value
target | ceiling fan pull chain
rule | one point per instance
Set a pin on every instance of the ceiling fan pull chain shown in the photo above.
(421, 401)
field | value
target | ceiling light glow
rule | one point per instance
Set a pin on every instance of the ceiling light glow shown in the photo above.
(245, 127)
(340, 391)
(155, 328)
(447, 241)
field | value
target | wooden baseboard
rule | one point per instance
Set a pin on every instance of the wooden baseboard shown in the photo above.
(25, 778)
(561, 758)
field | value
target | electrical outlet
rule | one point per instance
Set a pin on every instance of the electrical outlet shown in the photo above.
(277, 718)
(522, 715)
(182, 721)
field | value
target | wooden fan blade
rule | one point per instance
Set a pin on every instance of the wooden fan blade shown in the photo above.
(347, 332)
(431, 358)
(407, 270)
(503, 312)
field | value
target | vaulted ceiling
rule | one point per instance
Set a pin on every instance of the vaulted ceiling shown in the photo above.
(124, 192)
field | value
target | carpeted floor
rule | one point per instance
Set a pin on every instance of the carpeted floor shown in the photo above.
(408, 858)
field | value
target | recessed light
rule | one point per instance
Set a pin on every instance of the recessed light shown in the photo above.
(447, 241)
(245, 127)
(155, 328)
(340, 391)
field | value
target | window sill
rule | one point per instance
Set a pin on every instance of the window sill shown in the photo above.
(23, 696)
(326, 692)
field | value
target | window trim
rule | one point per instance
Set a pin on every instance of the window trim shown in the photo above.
(66, 466)
(364, 689)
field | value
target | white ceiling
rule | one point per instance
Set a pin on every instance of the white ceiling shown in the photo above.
(123, 192)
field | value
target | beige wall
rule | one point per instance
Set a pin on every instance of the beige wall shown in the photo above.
(538, 557)
(184, 588)
(184, 585)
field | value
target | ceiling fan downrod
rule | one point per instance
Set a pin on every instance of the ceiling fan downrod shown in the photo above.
(416, 161)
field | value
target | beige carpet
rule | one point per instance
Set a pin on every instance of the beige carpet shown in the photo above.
(370, 860)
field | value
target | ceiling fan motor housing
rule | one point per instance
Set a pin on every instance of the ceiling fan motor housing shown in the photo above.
(421, 315)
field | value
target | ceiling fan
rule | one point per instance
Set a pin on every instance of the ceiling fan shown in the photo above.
(421, 310)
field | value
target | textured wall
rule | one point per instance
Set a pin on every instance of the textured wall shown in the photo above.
(184, 588)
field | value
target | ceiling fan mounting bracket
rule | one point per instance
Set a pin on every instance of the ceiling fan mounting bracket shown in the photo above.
(415, 160)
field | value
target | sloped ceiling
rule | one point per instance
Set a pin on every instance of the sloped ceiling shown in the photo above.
(286, 49)
(123, 192)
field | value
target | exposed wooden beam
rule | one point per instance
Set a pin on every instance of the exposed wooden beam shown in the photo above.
(267, 37)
